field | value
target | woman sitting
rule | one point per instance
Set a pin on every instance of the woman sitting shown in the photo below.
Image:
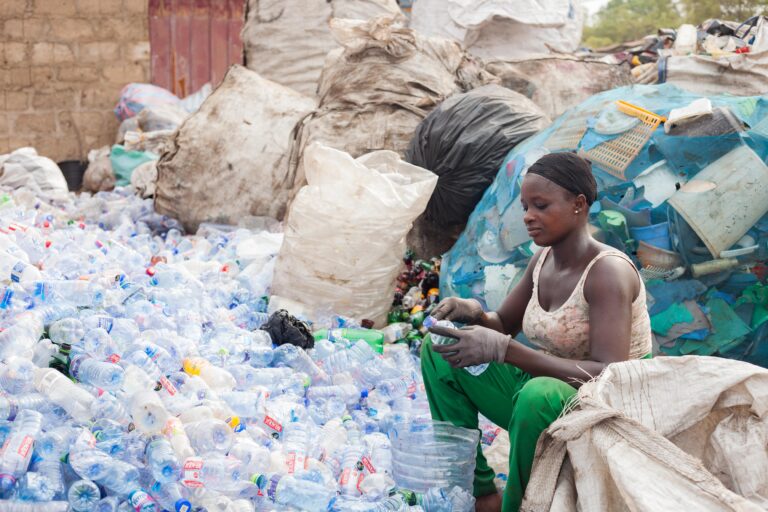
(580, 302)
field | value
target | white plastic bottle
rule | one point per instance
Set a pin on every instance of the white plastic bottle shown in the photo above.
(64, 393)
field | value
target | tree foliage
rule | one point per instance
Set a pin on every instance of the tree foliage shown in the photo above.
(627, 20)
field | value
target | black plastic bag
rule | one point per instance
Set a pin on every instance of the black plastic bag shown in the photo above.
(285, 328)
(464, 141)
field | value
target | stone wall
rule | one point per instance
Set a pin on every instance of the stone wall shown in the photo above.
(63, 65)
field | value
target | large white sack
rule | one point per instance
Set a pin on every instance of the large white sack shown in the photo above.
(672, 433)
(229, 159)
(144, 179)
(503, 29)
(25, 169)
(286, 41)
(744, 74)
(99, 176)
(558, 82)
(345, 232)
(377, 88)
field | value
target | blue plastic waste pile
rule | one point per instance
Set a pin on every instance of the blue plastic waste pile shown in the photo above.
(683, 189)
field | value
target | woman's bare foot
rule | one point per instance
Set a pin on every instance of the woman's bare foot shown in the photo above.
(488, 503)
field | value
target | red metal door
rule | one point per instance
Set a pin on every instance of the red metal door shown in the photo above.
(194, 42)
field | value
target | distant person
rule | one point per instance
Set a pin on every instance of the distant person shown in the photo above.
(580, 302)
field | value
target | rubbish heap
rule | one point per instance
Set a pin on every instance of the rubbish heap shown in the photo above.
(716, 57)
(135, 375)
(683, 190)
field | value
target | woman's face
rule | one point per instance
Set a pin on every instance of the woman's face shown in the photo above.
(550, 210)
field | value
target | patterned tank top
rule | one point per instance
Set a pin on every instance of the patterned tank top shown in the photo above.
(564, 332)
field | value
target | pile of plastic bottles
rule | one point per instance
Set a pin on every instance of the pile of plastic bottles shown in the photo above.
(416, 295)
(133, 376)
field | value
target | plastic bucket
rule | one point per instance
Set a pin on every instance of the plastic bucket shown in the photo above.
(656, 235)
(427, 453)
(725, 199)
(73, 171)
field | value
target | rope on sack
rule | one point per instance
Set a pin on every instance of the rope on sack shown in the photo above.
(605, 422)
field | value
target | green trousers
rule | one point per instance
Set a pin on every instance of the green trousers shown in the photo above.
(507, 396)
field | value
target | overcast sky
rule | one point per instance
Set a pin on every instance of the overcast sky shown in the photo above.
(592, 6)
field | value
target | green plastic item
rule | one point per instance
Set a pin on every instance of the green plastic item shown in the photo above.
(614, 222)
(756, 294)
(677, 313)
(124, 162)
(727, 329)
(371, 336)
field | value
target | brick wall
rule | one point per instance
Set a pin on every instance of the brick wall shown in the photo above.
(63, 63)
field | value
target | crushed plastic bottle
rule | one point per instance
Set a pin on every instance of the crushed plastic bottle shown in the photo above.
(134, 376)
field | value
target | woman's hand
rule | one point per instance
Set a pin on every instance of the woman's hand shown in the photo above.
(476, 345)
(466, 311)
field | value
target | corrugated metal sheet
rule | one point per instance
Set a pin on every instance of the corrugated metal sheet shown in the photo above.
(194, 41)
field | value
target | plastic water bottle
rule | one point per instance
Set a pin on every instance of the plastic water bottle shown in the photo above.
(259, 357)
(212, 472)
(390, 504)
(76, 292)
(83, 496)
(54, 443)
(396, 331)
(33, 487)
(19, 339)
(351, 472)
(27, 506)
(295, 357)
(99, 344)
(16, 375)
(107, 406)
(16, 270)
(50, 471)
(43, 352)
(170, 496)
(11, 405)
(66, 331)
(380, 450)
(361, 352)
(244, 403)
(141, 501)
(445, 340)
(162, 461)
(295, 441)
(177, 435)
(17, 450)
(215, 377)
(254, 457)
(394, 388)
(121, 478)
(211, 435)
(148, 412)
(97, 373)
(461, 500)
(247, 377)
(160, 356)
(108, 504)
(89, 463)
(347, 392)
(290, 491)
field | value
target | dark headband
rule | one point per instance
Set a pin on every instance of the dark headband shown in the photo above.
(569, 171)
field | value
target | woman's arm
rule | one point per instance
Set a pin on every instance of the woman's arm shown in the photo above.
(610, 289)
(509, 318)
